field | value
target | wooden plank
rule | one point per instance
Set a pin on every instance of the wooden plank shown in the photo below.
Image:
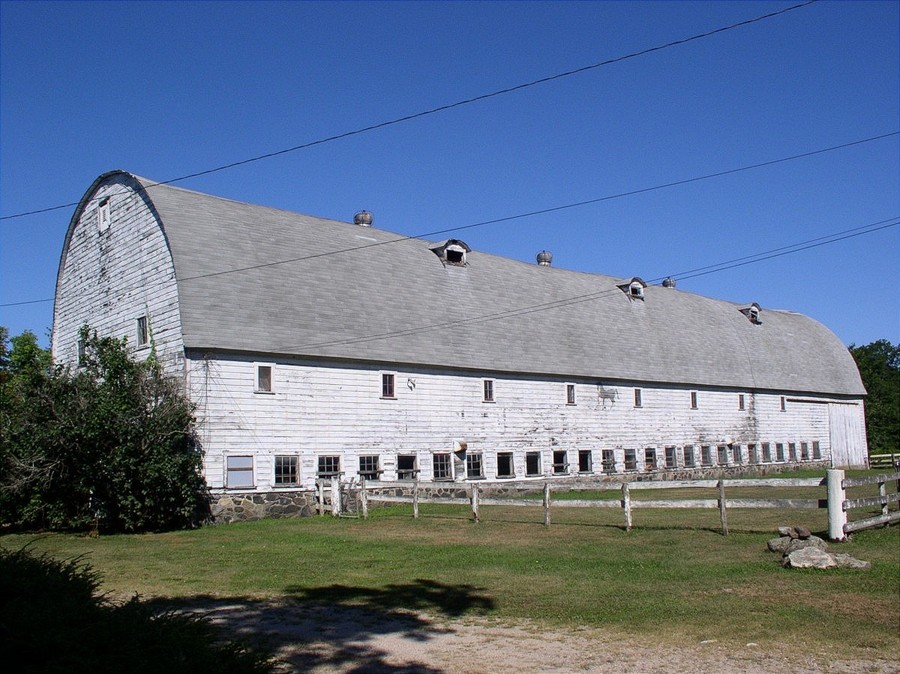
(679, 504)
(874, 479)
(872, 522)
(723, 511)
(871, 501)
(786, 503)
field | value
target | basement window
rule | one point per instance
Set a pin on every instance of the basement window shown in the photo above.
(585, 461)
(560, 462)
(406, 467)
(532, 464)
(103, 216)
(505, 467)
(442, 466)
(286, 471)
(264, 378)
(474, 466)
(369, 467)
(329, 466)
(238, 472)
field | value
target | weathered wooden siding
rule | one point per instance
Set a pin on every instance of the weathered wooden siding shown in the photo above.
(109, 279)
(329, 409)
(847, 425)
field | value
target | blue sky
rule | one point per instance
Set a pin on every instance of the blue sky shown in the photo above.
(167, 89)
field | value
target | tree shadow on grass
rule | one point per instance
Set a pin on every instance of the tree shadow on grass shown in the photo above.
(338, 628)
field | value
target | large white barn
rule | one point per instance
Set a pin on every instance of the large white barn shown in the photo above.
(313, 347)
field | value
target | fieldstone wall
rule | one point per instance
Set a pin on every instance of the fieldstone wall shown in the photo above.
(245, 507)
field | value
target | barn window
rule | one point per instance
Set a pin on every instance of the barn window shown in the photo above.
(630, 459)
(779, 451)
(689, 460)
(369, 468)
(608, 459)
(406, 467)
(532, 464)
(505, 465)
(329, 466)
(722, 451)
(705, 455)
(560, 462)
(452, 252)
(264, 378)
(585, 461)
(736, 454)
(143, 331)
(103, 216)
(792, 451)
(387, 385)
(488, 390)
(783, 404)
(286, 470)
(804, 451)
(570, 394)
(817, 450)
(474, 466)
(693, 400)
(766, 452)
(670, 457)
(442, 466)
(741, 406)
(649, 459)
(752, 313)
(638, 398)
(238, 472)
(753, 454)
(82, 353)
(634, 288)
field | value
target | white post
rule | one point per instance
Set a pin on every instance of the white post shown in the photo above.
(321, 485)
(626, 504)
(416, 499)
(475, 503)
(547, 504)
(837, 516)
(363, 498)
(336, 496)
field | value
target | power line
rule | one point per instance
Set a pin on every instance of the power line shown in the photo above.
(556, 304)
(448, 106)
(544, 211)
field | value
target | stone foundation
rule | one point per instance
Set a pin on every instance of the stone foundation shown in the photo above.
(245, 507)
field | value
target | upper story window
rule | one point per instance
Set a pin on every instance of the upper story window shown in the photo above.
(570, 394)
(103, 216)
(693, 400)
(741, 402)
(265, 376)
(488, 386)
(388, 380)
(452, 252)
(82, 352)
(752, 313)
(143, 331)
(638, 398)
(633, 287)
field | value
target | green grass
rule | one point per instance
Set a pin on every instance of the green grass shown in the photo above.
(674, 577)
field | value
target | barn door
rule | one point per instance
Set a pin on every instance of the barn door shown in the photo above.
(848, 436)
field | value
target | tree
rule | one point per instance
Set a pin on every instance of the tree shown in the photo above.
(879, 367)
(110, 442)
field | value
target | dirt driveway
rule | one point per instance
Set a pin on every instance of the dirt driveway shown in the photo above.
(324, 639)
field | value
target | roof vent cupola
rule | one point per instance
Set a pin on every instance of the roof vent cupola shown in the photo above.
(633, 287)
(669, 282)
(544, 258)
(452, 252)
(752, 313)
(363, 219)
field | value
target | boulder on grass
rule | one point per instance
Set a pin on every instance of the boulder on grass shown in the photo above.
(801, 543)
(809, 558)
(845, 561)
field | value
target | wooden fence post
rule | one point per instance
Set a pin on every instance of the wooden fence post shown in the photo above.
(416, 500)
(475, 503)
(336, 496)
(363, 498)
(547, 504)
(837, 516)
(321, 485)
(626, 504)
(722, 512)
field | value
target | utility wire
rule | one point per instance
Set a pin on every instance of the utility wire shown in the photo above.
(448, 106)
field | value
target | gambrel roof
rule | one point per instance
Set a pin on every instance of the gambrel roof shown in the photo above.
(260, 280)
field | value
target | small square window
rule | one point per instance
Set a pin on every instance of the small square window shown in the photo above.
(369, 467)
(488, 390)
(608, 458)
(585, 461)
(638, 398)
(560, 462)
(442, 466)
(143, 331)
(474, 466)
(505, 465)
(630, 459)
(670, 457)
(741, 402)
(387, 385)
(689, 458)
(649, 459)
(238, 472)
(693, 400)
(570, 394)
(406, 467)
(286, 470)
(264, 378)
(532, 464)
(329, 466)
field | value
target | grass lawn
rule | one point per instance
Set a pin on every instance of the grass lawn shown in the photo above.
(674, 578)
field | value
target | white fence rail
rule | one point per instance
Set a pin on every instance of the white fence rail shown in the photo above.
(835, 501)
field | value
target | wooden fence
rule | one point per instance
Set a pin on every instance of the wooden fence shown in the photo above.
(884, 461)
(835, 500)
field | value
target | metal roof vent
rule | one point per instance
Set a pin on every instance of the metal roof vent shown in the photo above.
(544, 258)
(363, 219)
(669, 282)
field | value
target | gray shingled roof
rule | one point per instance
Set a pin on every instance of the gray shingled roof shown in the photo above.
(398, 304)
